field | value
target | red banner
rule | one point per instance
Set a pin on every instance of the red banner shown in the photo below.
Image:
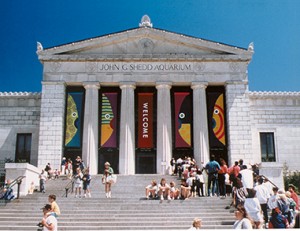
(145, 120)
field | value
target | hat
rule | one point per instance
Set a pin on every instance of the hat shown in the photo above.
(107, 163)
(47, 207)
(292, 186)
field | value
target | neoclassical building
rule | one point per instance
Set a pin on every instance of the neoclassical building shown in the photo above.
(139, 97)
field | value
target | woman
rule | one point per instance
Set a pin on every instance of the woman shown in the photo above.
(242, 222)
(174, 192)
(151, 189)
(253, 208)
(197, 223)
(221, 178)
(107, 179)
(78, 182)
(164, 190)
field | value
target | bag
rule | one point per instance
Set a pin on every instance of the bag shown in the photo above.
(113, 178)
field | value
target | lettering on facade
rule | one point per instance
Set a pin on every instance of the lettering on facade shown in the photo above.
(131, 67)
(145, 119)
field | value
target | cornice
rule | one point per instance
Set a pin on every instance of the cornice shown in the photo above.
(273, 94)
(20, 94)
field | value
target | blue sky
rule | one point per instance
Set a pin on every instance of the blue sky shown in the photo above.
(273, 26)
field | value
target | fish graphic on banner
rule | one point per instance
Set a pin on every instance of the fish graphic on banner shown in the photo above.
(218, 121)
(108, 120)
(182, 119)
(73, 119)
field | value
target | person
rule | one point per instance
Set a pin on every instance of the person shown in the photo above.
(272, 202)
(212, 168)
(235, 169)
(107, 179)
(63, 166)
(284, 206)
(164, 190)
(43, 179)
(242, 222)
(199, 182)
(173, 165)
(56, 174)
(69, 168)
(277, 220)
(294, 195)
(253, 208)
(86, 183)
(239, 192)
(7, 192)
(31, 188)
(185, 190)
(54, 206)
(78, 182)
(76, 163)
(191, 182)
(49, 222)
(174, 192)
(221, 178)
(246, 176)
(263, 195)
(48, 170)
(151, 189)
(197, 223)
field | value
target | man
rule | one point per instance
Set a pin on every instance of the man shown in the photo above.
(262, 194)
(49, 222)
(294, 195)
(212, 168)
(247, 177)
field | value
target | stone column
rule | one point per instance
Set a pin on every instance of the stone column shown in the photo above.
(201, 142)
(90, 126)
(164, 129)
(127, 130)
(51, 135)
(238, 122)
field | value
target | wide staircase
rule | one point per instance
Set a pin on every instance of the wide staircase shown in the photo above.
(128, 208)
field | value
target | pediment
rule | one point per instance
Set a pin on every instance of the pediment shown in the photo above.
(141, 43)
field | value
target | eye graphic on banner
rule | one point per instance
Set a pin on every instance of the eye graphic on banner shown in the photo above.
(73, 119)
(183, 119)
(108, 121)
(218, 122)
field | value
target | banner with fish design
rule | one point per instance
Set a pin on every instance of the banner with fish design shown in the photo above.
(183, 119)
(109, 110)
(74, 114)
(216, 118)
(145, 120)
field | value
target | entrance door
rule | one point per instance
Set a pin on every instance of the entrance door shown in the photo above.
(111, 156)
(145, 163)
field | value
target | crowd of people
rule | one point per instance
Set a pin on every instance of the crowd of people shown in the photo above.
(257, 201)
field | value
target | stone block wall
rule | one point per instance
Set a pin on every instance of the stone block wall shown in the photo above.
(19, 113)
(277, 112)
(52, 124)
(238, 122)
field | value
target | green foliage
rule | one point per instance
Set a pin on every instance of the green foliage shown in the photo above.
(291, 177)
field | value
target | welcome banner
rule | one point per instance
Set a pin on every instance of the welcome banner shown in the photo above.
(183, 119)
(145, 120)
(109, 104)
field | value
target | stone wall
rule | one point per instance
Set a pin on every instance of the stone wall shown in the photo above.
(277, 112)
(19, 113)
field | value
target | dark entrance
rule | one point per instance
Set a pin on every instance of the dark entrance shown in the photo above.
(108, 155)
(145, 162)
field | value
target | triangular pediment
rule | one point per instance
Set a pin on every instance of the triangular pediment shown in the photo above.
(142, 43)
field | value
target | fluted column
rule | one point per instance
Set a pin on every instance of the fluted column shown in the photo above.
(201, 143)
(127, 130)
(90, 126)
(164, 131)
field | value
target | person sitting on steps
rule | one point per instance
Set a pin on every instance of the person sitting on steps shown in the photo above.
(164, 190)
(151, 190)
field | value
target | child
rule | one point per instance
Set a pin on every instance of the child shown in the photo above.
(174, 192)
(86, 183)
(151, 189)
(54, 206)
(31, 188)
(78, 182)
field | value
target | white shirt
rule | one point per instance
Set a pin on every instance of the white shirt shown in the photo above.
(253, 208)
(262, 193)
(247, 178)
(243, 224)
(272, 202)
(51, 220)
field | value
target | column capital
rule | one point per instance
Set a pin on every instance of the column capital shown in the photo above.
(196, 85)
(160, 85)
(124, 85)
(89, 85)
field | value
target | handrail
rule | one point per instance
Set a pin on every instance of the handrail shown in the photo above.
(70, 184)
(4, 188)
(266, 178)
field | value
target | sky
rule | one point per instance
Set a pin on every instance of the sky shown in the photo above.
(273, 26)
